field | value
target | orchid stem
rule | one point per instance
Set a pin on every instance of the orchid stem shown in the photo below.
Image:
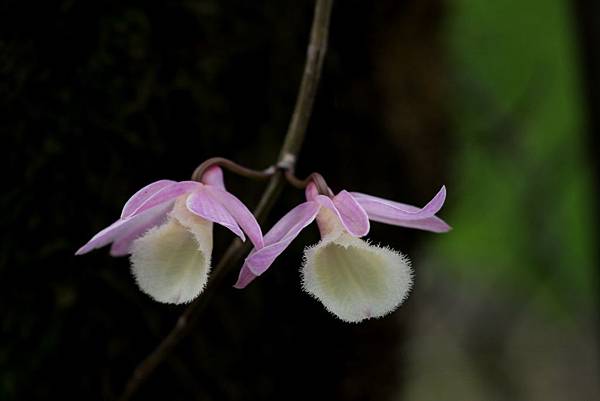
(316, 178)
(315, 55)
(285, 167)
(233, 167)
(294, 138)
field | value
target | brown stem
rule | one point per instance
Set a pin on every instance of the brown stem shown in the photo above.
(287, 157)
(316, 178)
(233, 167)
(315, 55)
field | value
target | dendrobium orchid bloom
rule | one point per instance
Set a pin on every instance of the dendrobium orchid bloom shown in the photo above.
(353, 279)
(167, 228)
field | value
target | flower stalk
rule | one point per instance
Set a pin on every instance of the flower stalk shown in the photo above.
(293, 140)
(234, 168)
(287, 167)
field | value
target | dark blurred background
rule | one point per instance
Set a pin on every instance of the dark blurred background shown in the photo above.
(497, 100)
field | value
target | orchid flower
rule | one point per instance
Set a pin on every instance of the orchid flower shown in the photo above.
(166, 227)
(354, 279)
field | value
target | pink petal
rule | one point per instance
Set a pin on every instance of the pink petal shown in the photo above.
(214, 176)
(202, 203)
(353, 216)
(434, 224)
(356, 230)
(244, 217)
(140, 196)
(122, 228)
(105, 237)
(245, 277)
(155, 217)
(387, 211)
(167, 193)
(280, 236)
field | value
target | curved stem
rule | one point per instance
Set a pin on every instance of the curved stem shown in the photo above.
(287, 157)
(316, 178)
(233, 167)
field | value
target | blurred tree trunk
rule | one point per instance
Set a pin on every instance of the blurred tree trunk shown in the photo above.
(411, 79)
(588, 24)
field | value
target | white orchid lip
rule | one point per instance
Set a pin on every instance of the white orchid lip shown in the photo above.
(355, 280)
(351, 278)
(171, 262)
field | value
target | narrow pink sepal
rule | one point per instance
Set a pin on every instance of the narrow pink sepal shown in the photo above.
(142, 195)
(353, 216)
(280, 236)
(433, 224)
(104, 237)
(244, 217)
(202, 203)
(122, 228)
(379, 209)
(167, 193)
(156, 216)
(214, 176)
(245, 277)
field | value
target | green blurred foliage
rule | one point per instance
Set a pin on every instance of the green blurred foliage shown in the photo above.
(522, 201)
